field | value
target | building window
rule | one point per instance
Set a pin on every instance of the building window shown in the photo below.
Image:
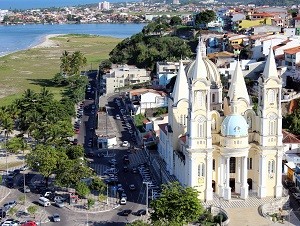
(272, 127)
(213, 98)
(214, 164)
(232, 165)
(271, 96)
(201, 169)
(184, 120)
(201, 129)
(271, 167)
(249, 165)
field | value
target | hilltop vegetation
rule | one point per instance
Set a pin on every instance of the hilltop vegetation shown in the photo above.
(158, 41)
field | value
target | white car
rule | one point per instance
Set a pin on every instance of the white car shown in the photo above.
(118, 117)
(123, 201)
(125, 143)
(56, 217)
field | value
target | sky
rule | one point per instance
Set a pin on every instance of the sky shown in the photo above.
(29, 4)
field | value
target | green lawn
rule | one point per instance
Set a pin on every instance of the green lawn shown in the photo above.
(32, 68)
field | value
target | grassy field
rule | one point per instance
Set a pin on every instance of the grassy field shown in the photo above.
(33, 68)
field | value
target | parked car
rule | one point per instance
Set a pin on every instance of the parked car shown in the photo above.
(126, 212)
(59, 203)
(132, 187)
(125, 143)
(118, 117)
(9, 205)
(56, 217)
(123, 201)
(141, 212)
(25, 189)
(2, 213)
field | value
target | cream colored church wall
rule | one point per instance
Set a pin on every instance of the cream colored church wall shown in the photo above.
(270, 182)
(180, 113)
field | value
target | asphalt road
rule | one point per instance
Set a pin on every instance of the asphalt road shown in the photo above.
(136, 199)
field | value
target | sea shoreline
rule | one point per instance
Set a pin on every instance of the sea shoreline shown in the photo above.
(44, 42)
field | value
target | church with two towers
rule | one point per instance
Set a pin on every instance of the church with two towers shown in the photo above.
(216, 142)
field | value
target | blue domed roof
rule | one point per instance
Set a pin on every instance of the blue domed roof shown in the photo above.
(234, 125)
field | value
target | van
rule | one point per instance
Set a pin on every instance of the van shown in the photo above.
(44, 201)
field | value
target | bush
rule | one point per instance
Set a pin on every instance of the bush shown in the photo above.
(90, 203)
(82, 189)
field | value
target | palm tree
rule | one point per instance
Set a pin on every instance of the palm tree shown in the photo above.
(65, 65)
(7, 125)
(78, 61)
(45, 95)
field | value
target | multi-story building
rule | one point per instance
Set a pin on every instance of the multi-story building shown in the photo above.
(165, 71)
(223, 146)
(124, 75)
(104, 5)
(292, 57)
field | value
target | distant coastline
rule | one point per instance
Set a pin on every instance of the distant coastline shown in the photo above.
(18, 37)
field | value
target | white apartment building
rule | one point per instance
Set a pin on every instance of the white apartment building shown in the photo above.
(165, 71)
(292, 57)
(124, 75)
(104, 5)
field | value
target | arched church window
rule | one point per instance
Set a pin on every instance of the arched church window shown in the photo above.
(200, 98)
(201, 169)
(271, 96)
(271, 166)
(249, 122)
(272, 124)
(213, 124)
(201, 127)
(213, 98)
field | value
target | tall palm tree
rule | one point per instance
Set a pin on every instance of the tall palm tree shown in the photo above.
(45, 95)
(65, 65)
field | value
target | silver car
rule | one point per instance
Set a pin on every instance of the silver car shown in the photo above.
(59, 203)
(56, 217)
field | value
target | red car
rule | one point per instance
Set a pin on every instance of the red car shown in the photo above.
(76, 131)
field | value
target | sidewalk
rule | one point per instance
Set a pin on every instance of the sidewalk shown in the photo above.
(98, 207)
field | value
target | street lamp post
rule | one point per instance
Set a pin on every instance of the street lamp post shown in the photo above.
(146, 183)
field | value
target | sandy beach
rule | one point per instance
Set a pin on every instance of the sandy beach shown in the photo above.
(46, 42)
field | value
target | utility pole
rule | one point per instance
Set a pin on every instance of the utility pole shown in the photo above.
(5, 143)
(107, 194)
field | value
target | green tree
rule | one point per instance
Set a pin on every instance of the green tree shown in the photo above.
(98, 185)
(205, 17)
(65, 63)
(176, 204)
(70, 172)
(175, 20)
(32, 210)
(14, 145)
(82, 189)
(90, 203)
(75, 151)
(44, 159)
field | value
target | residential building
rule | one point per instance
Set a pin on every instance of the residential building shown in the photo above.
(246, 24)
(223, 146)
(165, 71)
(124, 75)
(143, 99)
(104, 5)
(292, 57)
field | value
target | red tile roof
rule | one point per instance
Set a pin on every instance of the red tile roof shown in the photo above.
(289, 138)
(292, 50)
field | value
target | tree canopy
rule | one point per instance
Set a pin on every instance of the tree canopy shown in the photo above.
(205, 17)
(176, 205)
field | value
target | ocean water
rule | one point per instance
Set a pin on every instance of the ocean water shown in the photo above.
(30, 4)
(18, 37)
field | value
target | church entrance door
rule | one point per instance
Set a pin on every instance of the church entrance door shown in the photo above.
(232, 184)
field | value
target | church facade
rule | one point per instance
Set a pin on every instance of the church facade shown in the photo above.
(217, 143)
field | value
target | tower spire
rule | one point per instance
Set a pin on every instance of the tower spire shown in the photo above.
(180, 90)
(200, 68)
(270, 70)
(238, 87)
